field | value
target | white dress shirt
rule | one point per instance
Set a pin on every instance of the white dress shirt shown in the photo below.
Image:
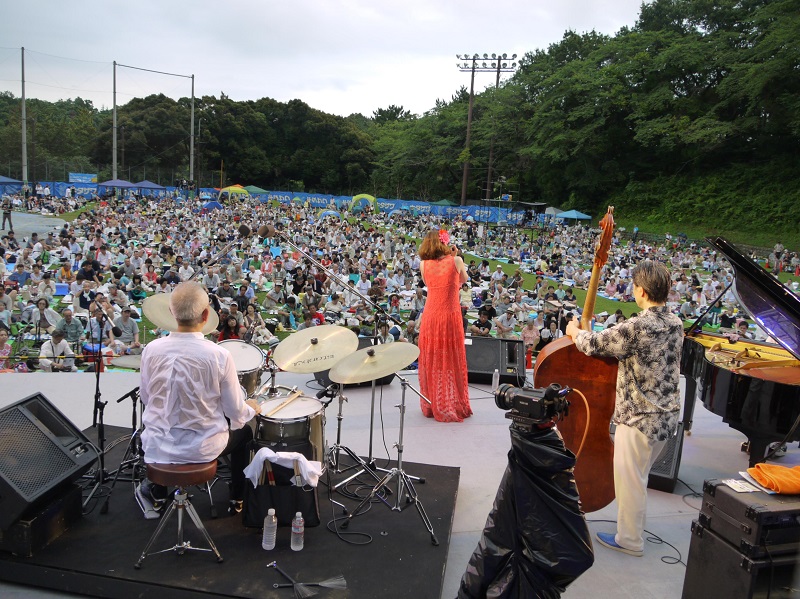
(188, 387)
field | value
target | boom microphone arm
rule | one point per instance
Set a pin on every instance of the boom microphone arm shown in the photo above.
(270, 231)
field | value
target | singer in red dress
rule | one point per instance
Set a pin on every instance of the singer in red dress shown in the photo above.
(443, 359)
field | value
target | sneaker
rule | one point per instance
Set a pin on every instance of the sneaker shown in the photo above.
(150, 506)
(607, 540)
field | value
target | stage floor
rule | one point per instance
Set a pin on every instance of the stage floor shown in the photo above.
(478, 447)
(96, 555)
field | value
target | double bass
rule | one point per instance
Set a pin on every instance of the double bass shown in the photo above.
(586, 428)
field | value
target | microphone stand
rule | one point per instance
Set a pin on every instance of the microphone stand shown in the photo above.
(99, 408)
(133, 457)
(380, 315)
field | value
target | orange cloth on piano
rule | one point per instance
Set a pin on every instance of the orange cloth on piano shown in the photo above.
(780, 479)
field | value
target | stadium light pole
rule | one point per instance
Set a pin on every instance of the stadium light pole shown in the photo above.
(24, 128)
(470, 64)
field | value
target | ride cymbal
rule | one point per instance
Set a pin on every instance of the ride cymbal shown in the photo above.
(315, 348)
(374, 362)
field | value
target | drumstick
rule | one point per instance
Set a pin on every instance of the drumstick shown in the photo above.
(292, 397)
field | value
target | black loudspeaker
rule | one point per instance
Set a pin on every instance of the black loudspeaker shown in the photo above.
(41, 453)
(363, 342)
(487, 354)
(716, 568)
(664, 473)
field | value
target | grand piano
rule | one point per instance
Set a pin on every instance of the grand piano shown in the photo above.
(754, 386)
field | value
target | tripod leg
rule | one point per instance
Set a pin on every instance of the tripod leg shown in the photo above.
(127, 459)
(383, 482)
(414, 498)
(359, 462)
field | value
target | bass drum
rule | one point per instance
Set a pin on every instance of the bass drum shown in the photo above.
(301, 422)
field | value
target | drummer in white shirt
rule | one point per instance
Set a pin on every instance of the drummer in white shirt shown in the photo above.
(189, 387)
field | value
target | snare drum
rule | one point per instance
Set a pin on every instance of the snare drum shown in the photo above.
(249, 361)
(301, 420)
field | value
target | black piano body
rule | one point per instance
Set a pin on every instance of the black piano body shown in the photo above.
(753, 386)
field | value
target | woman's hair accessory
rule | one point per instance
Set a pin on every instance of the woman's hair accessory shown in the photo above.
(444, 236)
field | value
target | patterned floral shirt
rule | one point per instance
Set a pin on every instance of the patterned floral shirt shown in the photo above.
(648, 348)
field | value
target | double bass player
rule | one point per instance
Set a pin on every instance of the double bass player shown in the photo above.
(647, 404)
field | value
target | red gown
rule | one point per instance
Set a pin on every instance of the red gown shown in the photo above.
(443, 358)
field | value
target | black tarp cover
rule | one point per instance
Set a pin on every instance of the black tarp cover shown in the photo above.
(536, 541)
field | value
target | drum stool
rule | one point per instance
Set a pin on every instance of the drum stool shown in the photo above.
(180, 476)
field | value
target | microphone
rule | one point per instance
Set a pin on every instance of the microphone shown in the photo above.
(329, 391)
(266, 231)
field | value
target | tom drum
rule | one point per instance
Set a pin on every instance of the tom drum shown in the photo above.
(249, 361)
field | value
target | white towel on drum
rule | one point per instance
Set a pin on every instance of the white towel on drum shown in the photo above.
(310, 471)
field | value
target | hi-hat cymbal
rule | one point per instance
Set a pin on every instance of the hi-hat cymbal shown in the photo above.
(373, 363)
(156, 308)
(315, 348)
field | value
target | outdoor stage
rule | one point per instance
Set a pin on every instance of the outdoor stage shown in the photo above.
(96, 556)
(476, 447)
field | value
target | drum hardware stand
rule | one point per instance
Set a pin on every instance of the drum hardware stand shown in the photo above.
(334, 450)
(404, 383)
(404, 484)
(133, 457)
(274, 390)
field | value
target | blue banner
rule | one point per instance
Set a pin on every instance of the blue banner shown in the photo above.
(83, 178)
(84, 190)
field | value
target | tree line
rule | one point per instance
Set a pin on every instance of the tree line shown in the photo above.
(688, 118)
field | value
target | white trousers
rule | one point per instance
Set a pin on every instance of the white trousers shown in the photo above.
(634, 455)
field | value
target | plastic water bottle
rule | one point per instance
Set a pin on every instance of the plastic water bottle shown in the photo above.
(270, 530)
(495, 380)
(298, 528)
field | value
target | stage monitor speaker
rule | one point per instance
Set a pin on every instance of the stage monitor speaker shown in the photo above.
(363, 343)
(664, 473)
(485, 354)
(41, 452)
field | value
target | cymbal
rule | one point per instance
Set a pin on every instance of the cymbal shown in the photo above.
(373, 362)
(133, 361)
(156, 308)
(315, 348)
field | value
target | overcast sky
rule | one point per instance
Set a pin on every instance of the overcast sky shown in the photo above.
(341, 57)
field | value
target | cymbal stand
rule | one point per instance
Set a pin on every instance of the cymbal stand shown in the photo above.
(404, 485)
(133, 457)
(337, 448)
(275, 390)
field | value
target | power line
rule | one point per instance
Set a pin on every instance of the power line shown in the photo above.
(57, 56)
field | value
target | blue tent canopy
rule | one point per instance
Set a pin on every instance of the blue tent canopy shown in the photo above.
(117, 183)
(148, 185)
(573, 214)
(4, 180)
(212, 205)
(325, 213)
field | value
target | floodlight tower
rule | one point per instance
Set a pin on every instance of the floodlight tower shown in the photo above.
(470, 64)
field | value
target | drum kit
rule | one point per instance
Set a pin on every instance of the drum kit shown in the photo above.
(288, 418)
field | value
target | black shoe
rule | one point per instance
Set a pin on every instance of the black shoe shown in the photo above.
(235, 506)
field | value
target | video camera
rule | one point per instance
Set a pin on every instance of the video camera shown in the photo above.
(529, 407)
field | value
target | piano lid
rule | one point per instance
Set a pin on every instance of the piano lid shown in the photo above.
(763, 297)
